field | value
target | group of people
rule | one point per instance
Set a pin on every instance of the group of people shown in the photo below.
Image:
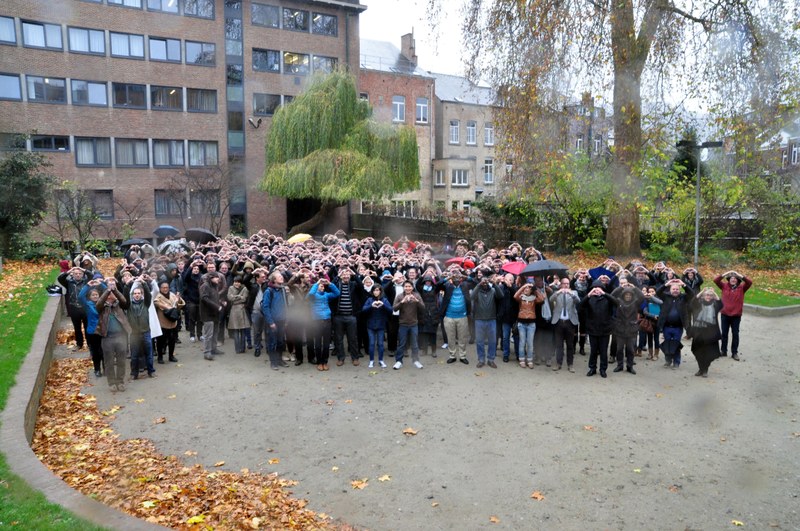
(346, 298)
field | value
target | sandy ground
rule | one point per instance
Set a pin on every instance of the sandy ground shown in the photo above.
(659, 450)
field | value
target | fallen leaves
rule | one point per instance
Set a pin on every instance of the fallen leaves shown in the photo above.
(219, 463)
(434, 504)
(274, 461)
(76, 442)
(737, 523)
(385, 477)
(360, 484)
(538, 496)
(409, 431)
(590, 428)
(494, 519)
(334, 468)
(160, 420)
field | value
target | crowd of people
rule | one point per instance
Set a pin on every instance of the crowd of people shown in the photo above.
(338, 299)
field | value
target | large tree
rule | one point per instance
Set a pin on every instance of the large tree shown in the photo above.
(324, 145)
(24, 189)
(536, 51)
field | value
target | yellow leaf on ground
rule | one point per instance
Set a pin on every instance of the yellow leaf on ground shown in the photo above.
(589, 428)
(274, 461)
(160, 420)
(538, 496)
(637, 470)
(385, 477)
(494, 519)
(659, 395)
(348, 401)
(434, 504)
(219, 463)
(172, 396)
(148, 504)
(410, 431)
(139, 400)
(334, 468)
(190, 453)
(199, 519)
(737, 523)
(360, 484)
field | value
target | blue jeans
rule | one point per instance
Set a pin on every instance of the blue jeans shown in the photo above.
(730, 323)
(141, 352)
(276, 337)
(258, 328)
(527, 331)
(375, 339)
(505, 339)
(486, 336)
(403, 333)
(671, 347)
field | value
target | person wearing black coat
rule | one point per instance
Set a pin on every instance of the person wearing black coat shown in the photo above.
(192, 277)
(599, 308)
(626, 324)
(705, 329)
(507, 311)
(673, 319)
(344, 310)
(74, 280)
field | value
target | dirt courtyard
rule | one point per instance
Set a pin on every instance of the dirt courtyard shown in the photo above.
(659, 450)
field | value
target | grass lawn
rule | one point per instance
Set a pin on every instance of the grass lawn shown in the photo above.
(22, 301)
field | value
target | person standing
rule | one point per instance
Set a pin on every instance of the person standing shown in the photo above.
(484, 310)
(628, 299)
(429, 321)
(319, 330)
(565, 322)
(706, 308)
(113, 327)
(455, 309)
(673, 319)
(73, 281)
(254, 298)
(599, 307)
(732, 306)
(168, 305)
(274, 306)
(409, 305)
(345, 308)
(238, 320)
(528, 298)
(89, 296)
(376, 310)
(210, 309)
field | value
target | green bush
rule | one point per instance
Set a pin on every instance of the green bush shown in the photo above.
(769, 254)
(665, 253)
(711, 255)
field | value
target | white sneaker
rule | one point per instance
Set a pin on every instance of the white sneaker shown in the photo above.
(417, 364)
(371, 364)
(397, 365)
(444, 347)
(192, 339)
(382, 364)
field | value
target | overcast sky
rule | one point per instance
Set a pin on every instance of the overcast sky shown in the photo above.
(387, 20)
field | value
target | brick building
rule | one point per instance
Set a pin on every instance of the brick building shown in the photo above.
(129, 97)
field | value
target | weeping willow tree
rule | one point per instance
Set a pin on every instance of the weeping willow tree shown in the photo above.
(324, 145)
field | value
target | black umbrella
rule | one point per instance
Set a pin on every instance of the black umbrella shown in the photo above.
(166, 230)
(544, 268)
(200, 235)
(134, 241)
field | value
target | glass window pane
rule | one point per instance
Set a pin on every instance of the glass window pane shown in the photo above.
(33, 34)
(8, 32)
(9, 87)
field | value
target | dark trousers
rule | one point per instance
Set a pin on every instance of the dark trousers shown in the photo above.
(96, 350)
(392, 327)
(626, 345)
(294, 339)
(276, 338)
(165, 343)
(598, 346)
(79, 323)
(319, 339)
(727, 323)
(345, 325)
(193, 324)
(564, 332)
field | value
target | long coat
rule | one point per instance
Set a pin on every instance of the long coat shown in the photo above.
(237, 304)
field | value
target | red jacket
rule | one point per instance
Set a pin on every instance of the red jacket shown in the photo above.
(733, 298)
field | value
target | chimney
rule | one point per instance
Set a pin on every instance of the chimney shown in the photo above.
(408, 48)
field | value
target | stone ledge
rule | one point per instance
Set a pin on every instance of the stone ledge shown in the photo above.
(18, 422)
(767, 311)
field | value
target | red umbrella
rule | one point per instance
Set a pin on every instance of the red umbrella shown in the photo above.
(463, 262)
(515, 268)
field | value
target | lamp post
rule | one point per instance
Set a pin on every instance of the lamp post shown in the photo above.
(697, 148)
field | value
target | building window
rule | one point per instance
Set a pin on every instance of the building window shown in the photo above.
(87, 40)
(89, 93)
(12, 142)
(93, 151)
(167, 202)
(204, 201)
(127, 45)
(266, 60)
(454, 132)
(509, 170)
(39, 35)
(404, 209)
(10, 89)
(235, 75)
(295, 19)
(129, 95)
(795, 154)
(488, 171)
(459, 178)
(579, 142)
(472, 133)
(102, 202)
(264, 15)
(439, 175)
(266, 104)
(201, 100)
(126, 3)
(233, 29)
(166, 98)
(325, 64)
(166, 6)
(323, 24)
(598, 143)
(165, 50)
(199, 8)
(131, 152)
(49, 143)
(488, 134)
(287, 99)
(466, 206)
(167, 153)
(201, 53)
(422, 110)
(47, 89)
(398, 108)
(295, 63)
(8, 32)
(202, 153)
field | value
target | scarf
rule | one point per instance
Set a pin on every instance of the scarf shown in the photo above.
(706, 316)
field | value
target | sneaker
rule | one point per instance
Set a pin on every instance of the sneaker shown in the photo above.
(121, 387)
(382, 364)
(417, 364)
(192, 339)
(570, 369)
(397, 365)
(98, 374)
(371, 364)
(445, 346)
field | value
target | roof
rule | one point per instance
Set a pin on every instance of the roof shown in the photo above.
(461, 90)
(386, 57)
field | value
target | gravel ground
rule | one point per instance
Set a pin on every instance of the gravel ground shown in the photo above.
(659, 450)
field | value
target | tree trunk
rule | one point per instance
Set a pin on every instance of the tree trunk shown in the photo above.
(5, 243)
(324, 210)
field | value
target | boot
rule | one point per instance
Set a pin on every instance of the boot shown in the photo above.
(161, 359)
(173, 359)
(638, 353)
(655, 354)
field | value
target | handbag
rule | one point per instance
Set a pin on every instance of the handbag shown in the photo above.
(173, 314)
(646, 325)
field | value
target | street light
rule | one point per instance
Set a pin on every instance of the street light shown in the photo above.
(696, 148)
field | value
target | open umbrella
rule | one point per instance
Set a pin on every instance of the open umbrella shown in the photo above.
(174, 246)
(544, 268)
(163, 231)
(200, 235)
(299, 238)
(133, 241)
(515, 268)
(462, 261)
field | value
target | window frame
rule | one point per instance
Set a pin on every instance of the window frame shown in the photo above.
(88, 38)
(454, 138)
(154, 88)
(13, 30)
(265, 95)
(293, 13)
(305, 66)
(19, 87)
(161, 9)
(171, 163)
(439, 180)
(398, 108)
(335, 25)
(44, 26)
(488, 134)
(189, 99)
(45, 81)
(266, 53)
(52, 138)
(203, 45)
(210, 3)
(111, 35)
(316, 60)
(170, 197)
(472, 133)
(166, 41)
(94, 140)
(119, 142)
(94, 194)
(423, 109)
(88, 82)
(122, 3)
(488, 170)
(128, 86)
(598, 143)
(257, 5)
(204, 144)
(579, 143)
(456, 179)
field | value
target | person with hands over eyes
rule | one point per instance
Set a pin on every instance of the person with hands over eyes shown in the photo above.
(113, 327)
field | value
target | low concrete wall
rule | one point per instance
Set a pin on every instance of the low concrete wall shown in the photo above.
(18, 422)
(766, 311)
